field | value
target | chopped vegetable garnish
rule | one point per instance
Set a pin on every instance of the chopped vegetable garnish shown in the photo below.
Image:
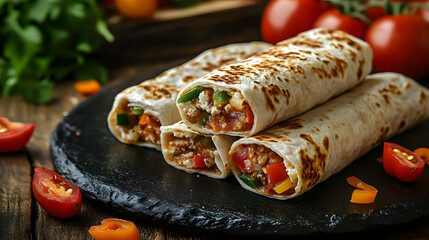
(423, 153)
(191, 95)
(220, 98)
(137, 110)
(122, 119)
(114, 228)
(283, 186)
(249, 180)
(365, 192)
(88, 87)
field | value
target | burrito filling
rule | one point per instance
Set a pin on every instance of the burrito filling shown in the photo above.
(139, 126)
(262, 169)
(217, 110)
(191, 151)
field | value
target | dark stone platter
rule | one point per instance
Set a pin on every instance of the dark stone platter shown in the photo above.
(138, 181)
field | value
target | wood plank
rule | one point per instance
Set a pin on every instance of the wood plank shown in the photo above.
(15, 196)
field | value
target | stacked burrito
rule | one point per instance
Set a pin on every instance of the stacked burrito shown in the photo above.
(139, 111)
(244, 98)
(290, 116)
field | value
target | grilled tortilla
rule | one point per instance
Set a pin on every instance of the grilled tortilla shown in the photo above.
(242, 99)
(321, 142)
(187, 150)
(139, 111)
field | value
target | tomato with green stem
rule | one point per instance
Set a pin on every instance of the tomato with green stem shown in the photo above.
(401, 162)
(56, 195)
(400, 44)
(283, 19)
(14, 135)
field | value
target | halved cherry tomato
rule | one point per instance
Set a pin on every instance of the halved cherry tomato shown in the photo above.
(115, 229)
(423, 153)
(136, 9)
(283, 19)
(401, 162)
(56, 195)
(400, 44)
(198, 161)
(276, 173)
(365, 192)
(240, 154)
(335, 20)
(14, 135)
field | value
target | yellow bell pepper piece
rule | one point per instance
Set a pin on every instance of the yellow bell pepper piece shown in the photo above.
(283, 186)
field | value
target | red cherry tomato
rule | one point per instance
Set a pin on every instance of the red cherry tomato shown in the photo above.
(115, 229)
(400, 44)
(136, 9)
(283, 19)
(14, 135)
(401, 162)
(335, 20)
(56, 195)
(276, 173)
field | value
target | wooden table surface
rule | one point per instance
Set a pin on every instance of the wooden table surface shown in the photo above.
(20, 215)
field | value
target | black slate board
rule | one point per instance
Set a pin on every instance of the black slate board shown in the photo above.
(138, 181)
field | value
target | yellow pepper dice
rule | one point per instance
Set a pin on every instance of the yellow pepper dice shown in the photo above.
(283, 186)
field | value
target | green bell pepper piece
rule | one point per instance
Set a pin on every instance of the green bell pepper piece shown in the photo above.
(122, 119)
(220, 98)
(137, 110)
(191, 95)
(249, 180)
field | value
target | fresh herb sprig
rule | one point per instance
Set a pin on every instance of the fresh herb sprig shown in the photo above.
(43, 41)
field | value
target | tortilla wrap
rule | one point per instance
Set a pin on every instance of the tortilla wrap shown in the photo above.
(157, 97)
(277, 84)
(179, 141)
(321, 142)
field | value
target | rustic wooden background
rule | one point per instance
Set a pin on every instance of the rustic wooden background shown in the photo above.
(138, 47)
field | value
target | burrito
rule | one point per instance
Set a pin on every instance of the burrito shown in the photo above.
(139, 111)
(192, 152)
(242, 99)
(291, 157)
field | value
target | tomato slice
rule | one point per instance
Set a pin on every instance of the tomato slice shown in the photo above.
(401, 162)
(276, 173)
(14, 135)
(56, 195)
(198, 161)
(240, 154)
(114, 228)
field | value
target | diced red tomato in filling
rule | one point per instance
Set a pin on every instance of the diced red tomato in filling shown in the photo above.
(261, 163)
(276, 173)
(198, 161)
(240, 154)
